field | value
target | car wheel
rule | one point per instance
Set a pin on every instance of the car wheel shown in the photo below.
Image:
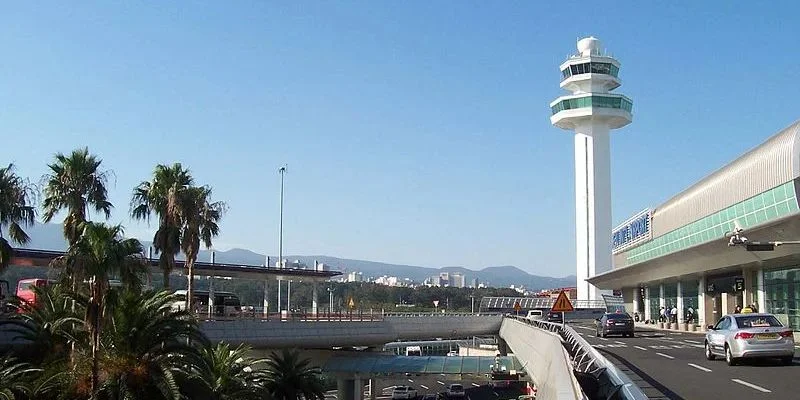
(631, 334)
(729, 356)
(604, 334)
(787, 360)
(709, 354)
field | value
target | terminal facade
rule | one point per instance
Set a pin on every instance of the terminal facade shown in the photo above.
(677, 254)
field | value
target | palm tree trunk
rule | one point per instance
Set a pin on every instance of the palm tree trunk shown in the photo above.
(95, 311)
(190, 284)
(167, 263)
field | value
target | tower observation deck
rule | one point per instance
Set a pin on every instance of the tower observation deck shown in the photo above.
(591, 111)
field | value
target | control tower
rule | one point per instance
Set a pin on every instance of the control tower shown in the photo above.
(591, 111)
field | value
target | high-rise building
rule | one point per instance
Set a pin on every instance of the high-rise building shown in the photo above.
(591, 111)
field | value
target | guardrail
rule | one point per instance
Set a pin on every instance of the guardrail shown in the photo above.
(257, 313)
(607, 381)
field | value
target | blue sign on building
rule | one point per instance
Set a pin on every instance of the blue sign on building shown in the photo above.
(632, 231)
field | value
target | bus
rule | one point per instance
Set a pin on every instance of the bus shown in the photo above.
(225, 303)
(413, 351)
(25, 289)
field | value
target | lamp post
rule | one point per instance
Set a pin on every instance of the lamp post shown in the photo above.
(282, 171)
(472, 301)
(330, 300)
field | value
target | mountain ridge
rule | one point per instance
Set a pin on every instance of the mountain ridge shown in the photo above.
(50, 237)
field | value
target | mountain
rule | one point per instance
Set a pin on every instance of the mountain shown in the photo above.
(50, 237)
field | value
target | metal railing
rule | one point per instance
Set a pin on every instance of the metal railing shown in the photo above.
(303, 314)
(588, 361)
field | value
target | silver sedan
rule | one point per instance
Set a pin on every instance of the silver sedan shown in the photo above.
(738, 336)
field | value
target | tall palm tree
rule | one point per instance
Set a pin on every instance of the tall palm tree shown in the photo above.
(162, 196)
(289, 377)
(99, 253)
(15, 212)
(148, 346)
(227, 373)
(15, 377)
(75, 184)
(201, 219)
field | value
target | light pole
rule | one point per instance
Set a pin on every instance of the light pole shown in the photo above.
(330, 300)
(472, 300)
(282, 171)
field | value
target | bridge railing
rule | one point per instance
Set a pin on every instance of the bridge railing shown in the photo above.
(305, 314)
(588, 362)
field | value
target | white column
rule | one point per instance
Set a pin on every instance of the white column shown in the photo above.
(680, 302)
(647, 301)
(636, 305)
(592, 206)
(289, 296)
(662, 302)
(314, 299)
(761, 293)
(266, 297)
(280, 305)
(210, 296)
(701, 302)
(373, 388)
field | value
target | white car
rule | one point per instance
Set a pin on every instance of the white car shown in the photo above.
(455, 390)
(404, 393)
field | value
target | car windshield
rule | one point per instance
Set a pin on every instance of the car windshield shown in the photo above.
(456, 387)
(757, 321)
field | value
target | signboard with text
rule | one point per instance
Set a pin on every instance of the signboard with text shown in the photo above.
(634, 231)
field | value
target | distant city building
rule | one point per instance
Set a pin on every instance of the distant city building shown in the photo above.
(474, 284)
(355, 276)
(457, 280)
(446, 279)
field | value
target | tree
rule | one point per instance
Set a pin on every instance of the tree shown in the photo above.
(289, 377)
(75, 184)
(14, 378)
(100, 252)
(16, 212)
(227, 373)
(200, 224)
(162, 196)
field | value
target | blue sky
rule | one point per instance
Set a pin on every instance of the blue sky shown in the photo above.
(415, 132)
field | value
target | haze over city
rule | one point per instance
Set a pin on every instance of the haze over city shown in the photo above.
(413, 135)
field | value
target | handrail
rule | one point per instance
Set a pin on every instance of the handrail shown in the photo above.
(587, 359)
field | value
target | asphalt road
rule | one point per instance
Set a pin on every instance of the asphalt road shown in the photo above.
(476, 387)
(672, 365)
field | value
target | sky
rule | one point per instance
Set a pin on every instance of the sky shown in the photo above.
(414, 132)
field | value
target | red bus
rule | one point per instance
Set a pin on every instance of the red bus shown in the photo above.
(25, 288)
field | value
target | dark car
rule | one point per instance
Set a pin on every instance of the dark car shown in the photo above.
(555, 317)
(617, 323)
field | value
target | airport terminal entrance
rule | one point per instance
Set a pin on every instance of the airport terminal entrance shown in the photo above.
(723, 294)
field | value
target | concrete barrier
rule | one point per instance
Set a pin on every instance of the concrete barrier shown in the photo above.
(544, 358)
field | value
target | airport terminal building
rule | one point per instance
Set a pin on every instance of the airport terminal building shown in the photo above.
(677, 254)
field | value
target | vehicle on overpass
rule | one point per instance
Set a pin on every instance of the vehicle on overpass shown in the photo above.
(414, 351)
(616, 323)
(404, 393)
(25, 288)
(225, 303)
(739, 336)
(534, 315)
(555, 317)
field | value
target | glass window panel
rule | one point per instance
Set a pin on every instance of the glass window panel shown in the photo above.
(779, 193)
(715, 218)
(748, 206)
(769, 198)
(750, 220)
(574, 69)
(792, 205)
(772, 213)
(761, 216)
(740, 209)
(758, 202)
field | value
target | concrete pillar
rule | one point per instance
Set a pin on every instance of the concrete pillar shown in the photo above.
(647, 301)
(358, 389)
(289, 296)
(210, 296)
(314, 298)
(344, 389)
(760, 293)
(637, 308)
(502, 346)
(662, 302)
(701, 302)
(266, 297)
(373, 389)
(680, 303)
(280, 305)
(747, 292)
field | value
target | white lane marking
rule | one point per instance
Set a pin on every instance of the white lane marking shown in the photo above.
(598, 346)
(579, 333)
(442, 374)
(665, 356)
(440, 382)
(699, 367)
(691, 341)
(583, 327)
(750, 385)
(411, 380)
(640, 348)
(602, 338)
(424, 387)
(618, 342)
(475, 384)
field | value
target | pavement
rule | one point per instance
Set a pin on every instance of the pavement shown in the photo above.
(670, 364)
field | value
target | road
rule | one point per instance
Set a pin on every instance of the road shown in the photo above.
(476, 387)
(672, 365)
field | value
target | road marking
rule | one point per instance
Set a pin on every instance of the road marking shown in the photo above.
(691, 341)
(598, 346)
(475, 384)
(440, 382)
(699, 367)
(678, 346)
(618, 342)
(640, 348)
(411, 380)
(424, 387)
(602, 338)
(665, 356)
(583, 327)
(750, 385)
(442, 374)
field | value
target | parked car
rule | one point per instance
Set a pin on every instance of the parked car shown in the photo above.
(455, 390)
(614, 323)
(738, 336)
(555, 317)
(404, 393)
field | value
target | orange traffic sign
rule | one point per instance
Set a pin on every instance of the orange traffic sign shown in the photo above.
(562, 304)
(517, 307)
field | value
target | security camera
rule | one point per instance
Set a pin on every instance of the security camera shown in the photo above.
(737, 240)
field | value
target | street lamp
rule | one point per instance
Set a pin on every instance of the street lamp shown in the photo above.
(472, 300)
(330, 300)
(282, 171)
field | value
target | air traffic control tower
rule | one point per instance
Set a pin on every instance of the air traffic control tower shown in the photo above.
(591, 111)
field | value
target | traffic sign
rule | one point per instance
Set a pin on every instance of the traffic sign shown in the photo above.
(517, 307)
(562, 304)
(436, 303)
(351, 304)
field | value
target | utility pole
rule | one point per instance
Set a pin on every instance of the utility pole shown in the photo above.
(282, 171)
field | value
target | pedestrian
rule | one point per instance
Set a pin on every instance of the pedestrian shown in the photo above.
(738, 309)
(754, 308)
(661, 314)
(674, 313)
(690, 315)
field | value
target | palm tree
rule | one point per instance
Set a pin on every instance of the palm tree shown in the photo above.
(200, 224)
(162, 196)
(14, 378)
(75, 184)
(99, 253)
(227, 374)
(148, 346)
(289, 377)
(15, 212)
